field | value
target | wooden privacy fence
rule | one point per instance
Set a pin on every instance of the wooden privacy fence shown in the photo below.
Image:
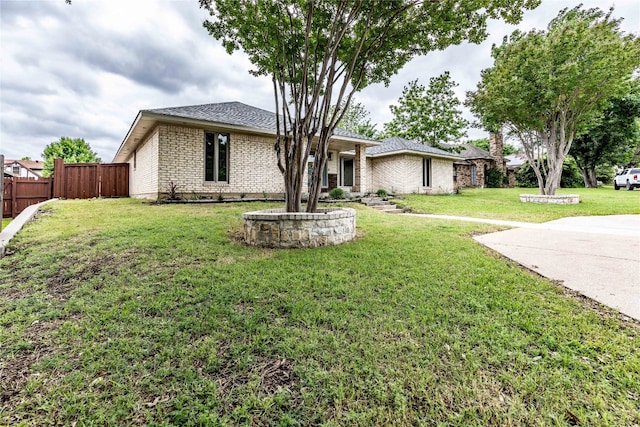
(19, 193)
(88, 180)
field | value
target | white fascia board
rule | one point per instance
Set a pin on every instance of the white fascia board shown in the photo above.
(418, 153)
(126, 138)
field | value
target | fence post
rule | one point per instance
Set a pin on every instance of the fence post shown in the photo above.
(99, 180)
(59, 175)
(14, 198)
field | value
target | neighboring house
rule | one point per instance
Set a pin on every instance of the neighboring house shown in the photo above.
(472, 170)
(227, 149)
(215, 150)
(514, 163)
(402, 166)
(24, 168)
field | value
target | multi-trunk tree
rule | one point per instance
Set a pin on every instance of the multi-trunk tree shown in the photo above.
(429, 115)
(547, 86)
(320, 52)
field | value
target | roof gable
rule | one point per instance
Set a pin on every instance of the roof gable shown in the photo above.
(472, 152)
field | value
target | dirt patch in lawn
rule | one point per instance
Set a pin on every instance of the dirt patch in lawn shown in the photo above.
(74, 271)
(274, 374)
(15, 370)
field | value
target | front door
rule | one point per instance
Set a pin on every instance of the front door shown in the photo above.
(347, 172)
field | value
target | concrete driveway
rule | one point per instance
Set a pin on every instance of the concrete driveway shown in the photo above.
(598, 257)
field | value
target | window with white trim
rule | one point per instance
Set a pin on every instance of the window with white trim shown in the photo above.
(216, 157)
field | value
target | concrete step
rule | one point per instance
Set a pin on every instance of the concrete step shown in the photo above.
(384, 207)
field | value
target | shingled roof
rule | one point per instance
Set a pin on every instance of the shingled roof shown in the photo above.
(396, 145)
(469, 151)
(238, 114)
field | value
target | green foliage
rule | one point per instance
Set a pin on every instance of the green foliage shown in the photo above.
(612, 139)
(337, 193)
(483, 143)
(571, 176)
(320, 53)
(356, 119)
(547, 86)
(74, 150)
(428, 115)
(381, 192)
(605, 174)
(495, 178)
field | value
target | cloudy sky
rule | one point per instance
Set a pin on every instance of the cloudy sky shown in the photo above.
(86, 70)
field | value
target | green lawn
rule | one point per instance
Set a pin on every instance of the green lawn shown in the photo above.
(504, 203)
(5, 222)
(116, 312)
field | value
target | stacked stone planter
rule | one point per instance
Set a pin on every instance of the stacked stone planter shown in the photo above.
(275, 228)
(565, 199)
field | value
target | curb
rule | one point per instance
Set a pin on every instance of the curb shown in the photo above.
(18, 222)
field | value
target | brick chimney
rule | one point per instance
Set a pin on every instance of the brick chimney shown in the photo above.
(496, 149)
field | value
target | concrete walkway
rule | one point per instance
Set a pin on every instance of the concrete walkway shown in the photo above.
(598, 257)
(17, 223)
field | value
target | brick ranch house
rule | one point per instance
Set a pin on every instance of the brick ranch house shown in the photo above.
(228, 149)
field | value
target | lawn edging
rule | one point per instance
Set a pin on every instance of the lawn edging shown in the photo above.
(558, 199)
(18, 222)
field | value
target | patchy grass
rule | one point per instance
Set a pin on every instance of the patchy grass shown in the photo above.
(115, 312)
(504, 203)
(5, 222)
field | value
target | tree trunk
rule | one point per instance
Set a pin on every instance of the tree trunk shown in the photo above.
(589, 177)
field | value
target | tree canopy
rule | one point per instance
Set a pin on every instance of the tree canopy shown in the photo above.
(547, 86)
(319, 53)
(613, 138)
(356, 119)
(428, 114)
(74, 150)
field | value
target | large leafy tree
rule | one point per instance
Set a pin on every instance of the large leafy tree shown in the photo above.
(428, 114)
(356, 119)
(613, 139)
(74, 150)
(320, 52)
(547, 86)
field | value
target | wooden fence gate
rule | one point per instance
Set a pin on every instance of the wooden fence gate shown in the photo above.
(88, 180)
(19, 193)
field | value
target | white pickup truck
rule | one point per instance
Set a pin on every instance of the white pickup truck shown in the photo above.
(628, 178)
